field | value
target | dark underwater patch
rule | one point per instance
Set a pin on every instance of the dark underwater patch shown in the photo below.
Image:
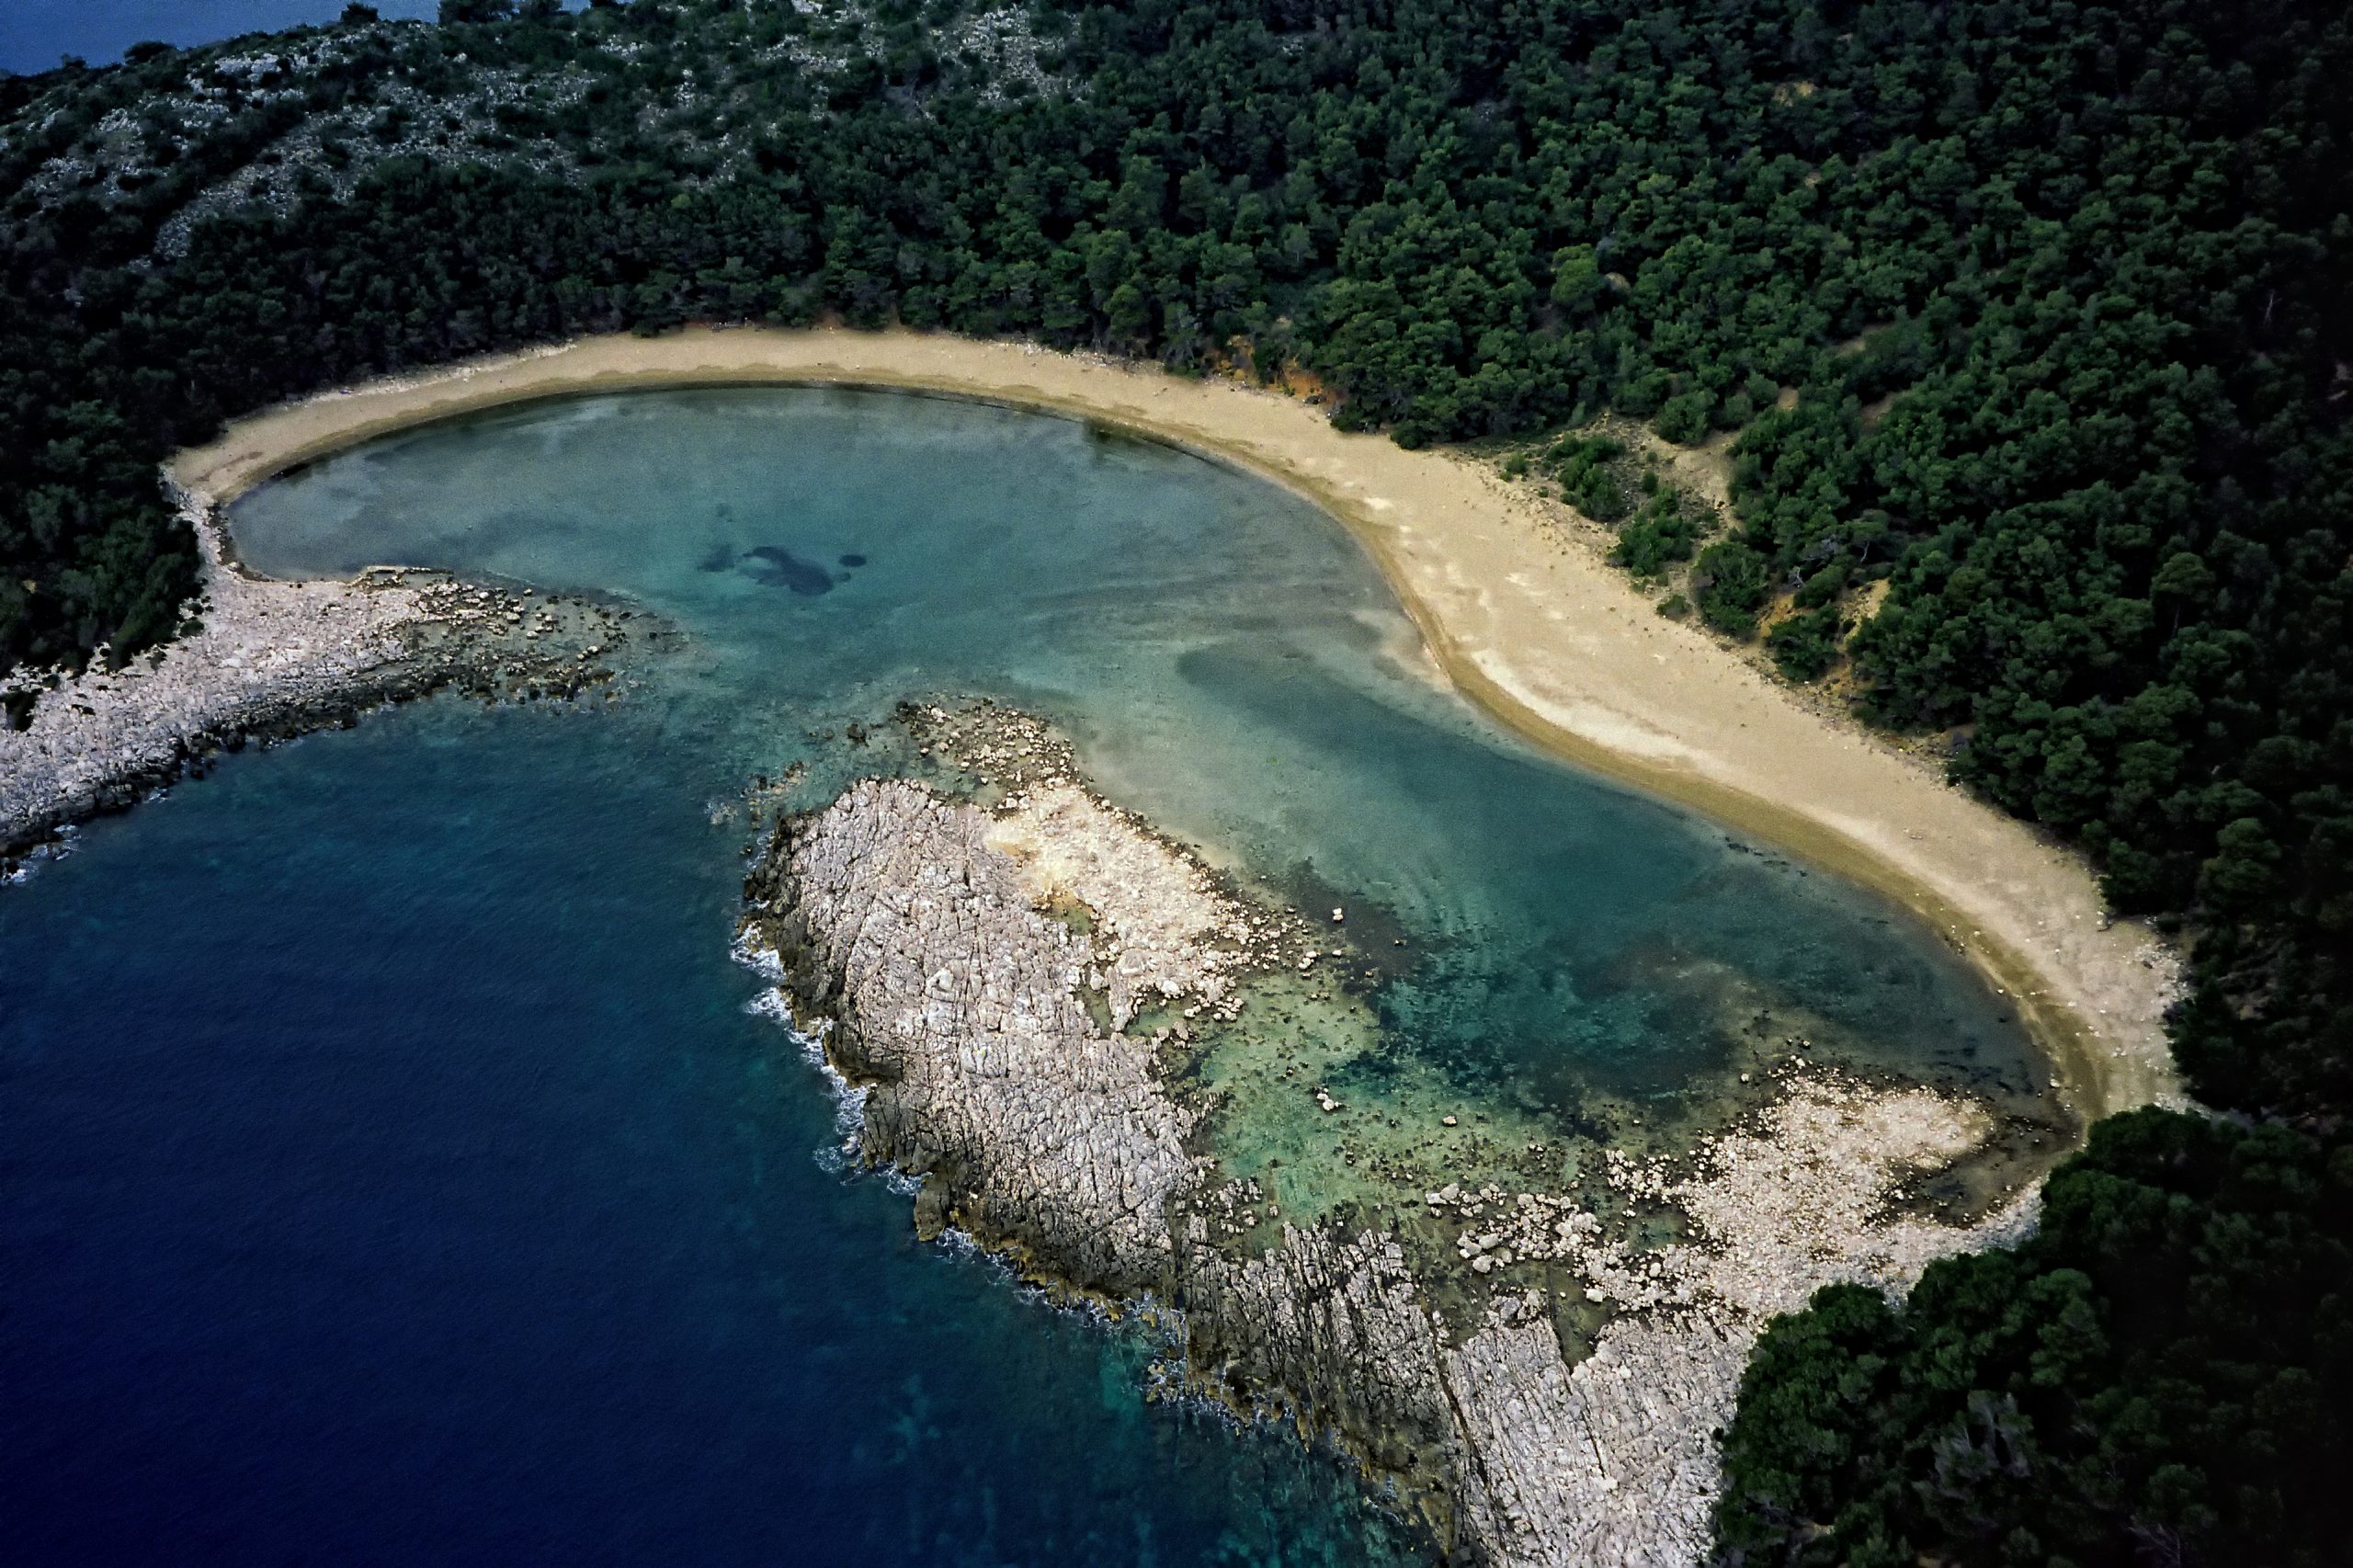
(779, 568)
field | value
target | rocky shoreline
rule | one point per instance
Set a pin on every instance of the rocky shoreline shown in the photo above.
(276, 659)
(1023, 978)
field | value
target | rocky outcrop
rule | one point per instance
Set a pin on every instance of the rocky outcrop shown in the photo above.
(995, 975)
(1612, 1462)
(1333, 1329)
(275, 659)
(958, 1002)
(1607, 1461)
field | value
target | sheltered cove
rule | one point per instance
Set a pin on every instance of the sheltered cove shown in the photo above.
(1510, 612)
(1492, 1481)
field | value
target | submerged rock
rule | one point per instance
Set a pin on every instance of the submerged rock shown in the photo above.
(990, 975)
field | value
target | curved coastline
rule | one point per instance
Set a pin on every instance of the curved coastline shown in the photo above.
(1512, 612)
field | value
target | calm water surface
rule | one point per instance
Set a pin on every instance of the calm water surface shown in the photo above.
(34, 34)
(393, 1175)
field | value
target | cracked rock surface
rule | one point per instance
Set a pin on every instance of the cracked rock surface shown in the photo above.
(1612, 1461)
(958, 1001)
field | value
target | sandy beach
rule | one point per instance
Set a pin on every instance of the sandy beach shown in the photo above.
(1516, 609)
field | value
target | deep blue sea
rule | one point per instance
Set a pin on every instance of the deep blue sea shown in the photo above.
(391, 1173)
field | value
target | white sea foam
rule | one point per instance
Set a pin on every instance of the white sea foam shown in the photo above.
(843, 1156)
(762, 961)
(66, 840)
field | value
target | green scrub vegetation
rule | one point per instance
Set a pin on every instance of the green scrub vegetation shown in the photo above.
(2157, 1376)
(2037, 313)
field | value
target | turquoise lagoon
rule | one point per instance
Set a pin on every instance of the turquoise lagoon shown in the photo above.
(394, 1173)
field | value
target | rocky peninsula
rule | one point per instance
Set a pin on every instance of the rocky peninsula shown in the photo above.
(1051, 1011)
(272, 659)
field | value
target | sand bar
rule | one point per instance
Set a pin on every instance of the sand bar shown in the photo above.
(1528, 623)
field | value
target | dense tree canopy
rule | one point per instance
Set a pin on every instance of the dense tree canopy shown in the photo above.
(2031, 324)
(2163, 1374)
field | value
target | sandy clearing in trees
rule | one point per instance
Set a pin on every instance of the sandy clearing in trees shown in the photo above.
(1520, 613)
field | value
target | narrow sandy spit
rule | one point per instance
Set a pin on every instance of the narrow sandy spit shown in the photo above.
(1529, 625)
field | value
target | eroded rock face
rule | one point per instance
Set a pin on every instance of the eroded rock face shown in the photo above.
(978, 969)
(1333, 1328)
(1611, 1460)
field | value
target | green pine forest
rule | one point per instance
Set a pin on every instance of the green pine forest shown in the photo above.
(2030, 322)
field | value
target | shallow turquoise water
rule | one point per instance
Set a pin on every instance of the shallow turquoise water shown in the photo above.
(1230, 662)
(392, 1172)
